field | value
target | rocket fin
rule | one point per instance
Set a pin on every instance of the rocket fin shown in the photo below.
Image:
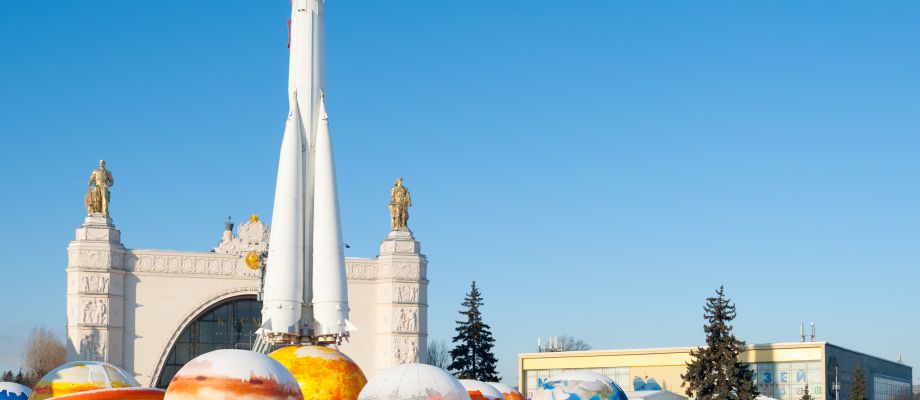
(350, 326)
(265, 327)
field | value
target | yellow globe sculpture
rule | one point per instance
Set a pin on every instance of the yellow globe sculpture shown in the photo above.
(323, 373)
(90, 380)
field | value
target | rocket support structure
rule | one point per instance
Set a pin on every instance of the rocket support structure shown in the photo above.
(305, 292)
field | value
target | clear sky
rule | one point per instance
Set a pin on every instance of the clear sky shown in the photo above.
(598, 167)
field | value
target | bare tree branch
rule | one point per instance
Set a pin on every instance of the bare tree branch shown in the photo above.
(44, 352)
(568, 343)
(438, 354)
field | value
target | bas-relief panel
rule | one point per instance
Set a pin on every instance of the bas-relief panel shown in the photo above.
(187, 264)
(405, 271)
(372, 271)
(399, 271)
(406, 293)
(91, 258)
(92, 345)
(361, 271)
(406, 320)
(405, 350)
(94, 311)
(94, 283)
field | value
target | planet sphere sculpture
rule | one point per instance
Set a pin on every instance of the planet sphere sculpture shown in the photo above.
(233, 375)
(579, 385)
(509, 392)
(414, 382)
(138, 393)
(323, 373)
(14, 391)
(480, 390)
(91, 380)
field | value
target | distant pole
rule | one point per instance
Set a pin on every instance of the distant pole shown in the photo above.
(836, 383)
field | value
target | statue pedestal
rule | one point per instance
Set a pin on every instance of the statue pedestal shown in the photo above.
(95, 292)
(98, 227)
(402, 300)
(400, 241)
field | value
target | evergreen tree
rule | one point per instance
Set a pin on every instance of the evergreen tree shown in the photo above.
(20, 378)
(714, 371)
(858, 389)
(472, 356)
(806, 395)
(7, 376)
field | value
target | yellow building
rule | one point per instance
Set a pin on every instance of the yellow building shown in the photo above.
(781, 370)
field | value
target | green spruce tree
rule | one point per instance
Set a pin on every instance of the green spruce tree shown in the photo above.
(806, 395)
(858, 389)
(714, 371)
(472, 356)
(7, 376)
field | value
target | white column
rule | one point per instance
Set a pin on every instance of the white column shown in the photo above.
(402, 301)
(95, 292)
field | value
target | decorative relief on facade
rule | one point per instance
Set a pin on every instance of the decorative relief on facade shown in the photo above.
(90, 258)
(92, 346)
(406, 294)
(95, 284)
(360, 271)
(95, 312)
(405, 350)
(251, 236)
(405, 271)
(185, 264)
(406, 320)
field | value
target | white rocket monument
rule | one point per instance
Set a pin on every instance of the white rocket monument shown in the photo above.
(305, 293)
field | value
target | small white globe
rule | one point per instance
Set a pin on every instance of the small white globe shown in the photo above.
(481, 391)
(509, 392)
(14, 391)
(414, 382)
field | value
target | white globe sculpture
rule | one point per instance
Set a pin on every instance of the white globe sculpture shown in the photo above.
(414, 382)
(509, 392)
(481, 391)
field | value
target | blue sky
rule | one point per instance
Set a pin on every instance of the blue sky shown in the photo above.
(598, 167)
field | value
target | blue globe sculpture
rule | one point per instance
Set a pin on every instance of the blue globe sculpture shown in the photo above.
(578, 385)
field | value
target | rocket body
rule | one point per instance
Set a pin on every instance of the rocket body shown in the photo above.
(305, 297)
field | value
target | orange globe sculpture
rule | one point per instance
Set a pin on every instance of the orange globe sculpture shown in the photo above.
(323, 373)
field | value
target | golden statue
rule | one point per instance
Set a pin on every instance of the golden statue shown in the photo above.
(399, 206)
(97, 193)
